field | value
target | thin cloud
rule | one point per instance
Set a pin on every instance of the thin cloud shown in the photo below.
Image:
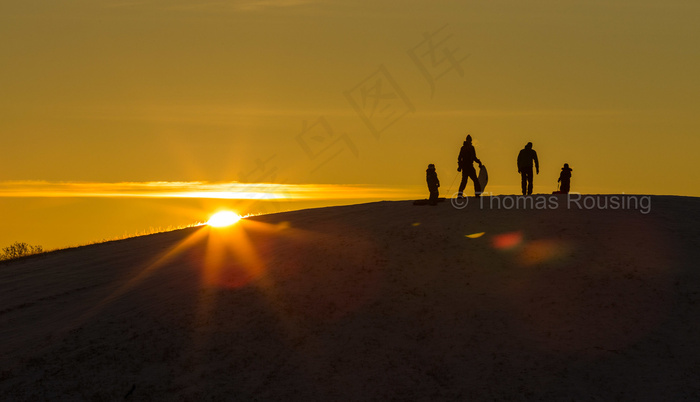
(241, 5)
(266, 4)
(215, 114)
(236, 5)
(228, 190)
(533, 112)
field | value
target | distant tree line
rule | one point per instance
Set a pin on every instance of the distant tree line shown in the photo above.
(18, 249)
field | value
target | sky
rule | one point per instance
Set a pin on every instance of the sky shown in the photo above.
(109, 97)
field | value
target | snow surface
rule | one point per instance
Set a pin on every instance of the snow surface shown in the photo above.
(379, 301)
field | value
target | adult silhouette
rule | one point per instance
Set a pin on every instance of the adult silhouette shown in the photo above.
(465, 164)
(526, 157)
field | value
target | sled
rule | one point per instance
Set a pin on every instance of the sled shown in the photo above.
(483, 177)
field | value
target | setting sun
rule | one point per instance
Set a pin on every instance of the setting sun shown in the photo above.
(223, 218)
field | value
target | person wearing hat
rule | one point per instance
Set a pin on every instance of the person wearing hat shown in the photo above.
(465, 160)
(525, 159)
(433, 184)
(565, 179)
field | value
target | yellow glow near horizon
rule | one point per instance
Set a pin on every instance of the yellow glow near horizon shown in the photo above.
(202, 189)
(223, 219)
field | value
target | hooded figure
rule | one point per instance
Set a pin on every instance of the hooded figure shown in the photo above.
(433, 184)
(565, 179)
(465, 160)
(525, 159)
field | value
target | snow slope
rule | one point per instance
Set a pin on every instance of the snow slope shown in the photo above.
(367, 302)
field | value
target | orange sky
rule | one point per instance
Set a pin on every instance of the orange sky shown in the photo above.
(351, 92)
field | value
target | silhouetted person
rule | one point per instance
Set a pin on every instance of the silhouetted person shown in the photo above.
(465, 164)
(433, 184)
(525, 159)
(565, 179)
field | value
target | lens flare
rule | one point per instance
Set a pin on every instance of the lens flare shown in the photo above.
(507, 241)
(223, 219)
(475, 235)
